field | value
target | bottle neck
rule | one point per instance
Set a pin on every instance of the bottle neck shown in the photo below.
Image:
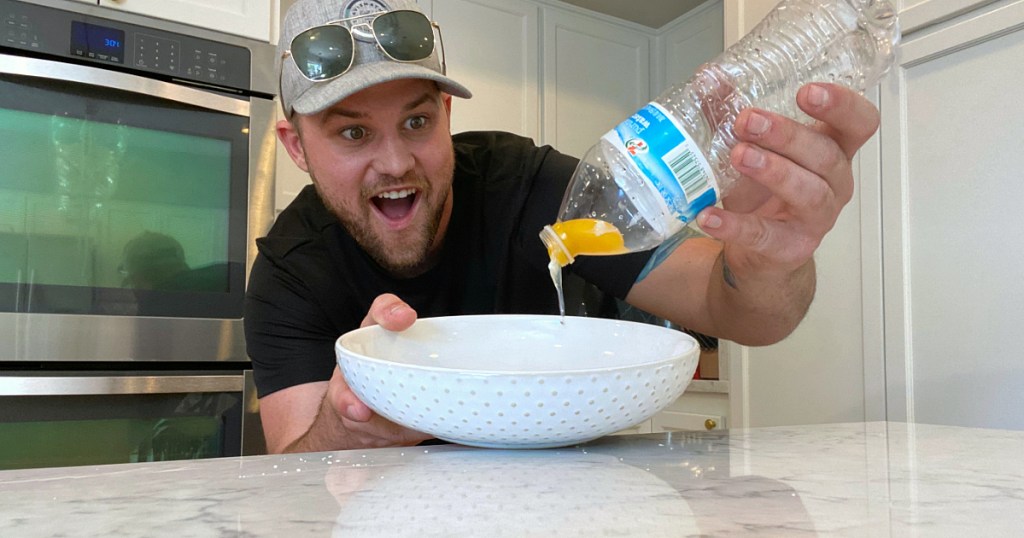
(556, 248)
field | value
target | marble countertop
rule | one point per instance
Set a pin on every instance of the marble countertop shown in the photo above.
(871, 479)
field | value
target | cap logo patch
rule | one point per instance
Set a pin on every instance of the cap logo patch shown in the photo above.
(355, 8)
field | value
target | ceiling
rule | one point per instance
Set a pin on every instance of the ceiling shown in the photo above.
(652, 13)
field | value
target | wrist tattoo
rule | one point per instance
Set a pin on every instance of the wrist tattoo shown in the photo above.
(727, 275)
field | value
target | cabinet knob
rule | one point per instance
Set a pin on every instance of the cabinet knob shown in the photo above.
(710, 424)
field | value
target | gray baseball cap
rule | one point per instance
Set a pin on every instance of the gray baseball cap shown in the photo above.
(370, 66)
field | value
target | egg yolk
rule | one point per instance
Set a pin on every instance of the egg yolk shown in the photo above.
(586, 236)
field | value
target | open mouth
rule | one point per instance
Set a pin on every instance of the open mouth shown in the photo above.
(395, 205)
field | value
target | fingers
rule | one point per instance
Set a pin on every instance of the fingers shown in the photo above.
(390, 312)
(802, 190)
(364, 426)
(787, 244)
(345, 402)
(847, 117)
(352, 408)
(790, 159)
(806, 168)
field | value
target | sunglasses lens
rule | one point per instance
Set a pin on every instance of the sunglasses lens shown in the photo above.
(405, 35)
(323, 52)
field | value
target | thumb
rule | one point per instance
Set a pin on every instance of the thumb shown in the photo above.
(390, 312)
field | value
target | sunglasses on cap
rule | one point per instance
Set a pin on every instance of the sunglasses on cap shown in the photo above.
(326, 52)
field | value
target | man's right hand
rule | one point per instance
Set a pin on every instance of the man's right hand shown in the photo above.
(366, 428)
(327, 415)
(363, 427)
(391, 313)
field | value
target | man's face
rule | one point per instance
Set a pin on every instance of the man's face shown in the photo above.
(382, 161)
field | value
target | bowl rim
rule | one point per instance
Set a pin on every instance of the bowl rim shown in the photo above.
(694, 348)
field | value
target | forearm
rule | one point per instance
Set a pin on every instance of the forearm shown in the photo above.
(758, 307)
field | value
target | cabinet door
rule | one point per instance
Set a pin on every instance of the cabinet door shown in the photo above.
(741, 16)
(951, 202)
(695, 39)
(491, 47)
(596, 74)
(249, 18)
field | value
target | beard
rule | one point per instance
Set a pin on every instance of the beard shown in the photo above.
(406, 253)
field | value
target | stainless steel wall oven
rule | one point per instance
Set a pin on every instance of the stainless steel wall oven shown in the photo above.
(136, 170)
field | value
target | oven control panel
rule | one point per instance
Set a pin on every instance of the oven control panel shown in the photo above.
(56, 32)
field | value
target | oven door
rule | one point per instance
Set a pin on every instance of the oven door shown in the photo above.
(125, 214)
(121, 194)
(75, 419)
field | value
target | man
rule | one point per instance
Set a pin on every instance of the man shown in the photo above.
(404, 220)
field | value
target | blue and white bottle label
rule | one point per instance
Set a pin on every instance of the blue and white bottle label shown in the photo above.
(664, 153)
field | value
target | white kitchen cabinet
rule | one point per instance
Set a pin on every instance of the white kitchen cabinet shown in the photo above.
(674, 421)
(492, 48)
(248, 18)
(596, 74)
(951, 203)
(527, 60)
(686, 43)
(704, 406)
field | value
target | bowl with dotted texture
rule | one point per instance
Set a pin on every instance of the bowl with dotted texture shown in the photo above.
(518, 381)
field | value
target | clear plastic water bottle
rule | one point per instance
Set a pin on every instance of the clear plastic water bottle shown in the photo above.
(650, 176)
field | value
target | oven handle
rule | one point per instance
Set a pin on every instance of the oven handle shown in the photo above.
(105, 385)
(64, 72)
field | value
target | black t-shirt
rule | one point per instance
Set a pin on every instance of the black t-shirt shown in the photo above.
(311, 282)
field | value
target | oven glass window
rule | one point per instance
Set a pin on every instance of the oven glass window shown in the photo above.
(60, 431)
(119, 203)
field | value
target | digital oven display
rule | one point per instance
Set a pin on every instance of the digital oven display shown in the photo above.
(97, 42)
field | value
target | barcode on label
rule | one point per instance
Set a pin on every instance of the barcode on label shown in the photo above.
(688, 171)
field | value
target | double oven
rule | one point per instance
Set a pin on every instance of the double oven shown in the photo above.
(136, 171)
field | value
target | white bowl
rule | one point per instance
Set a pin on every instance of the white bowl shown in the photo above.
(518, 381)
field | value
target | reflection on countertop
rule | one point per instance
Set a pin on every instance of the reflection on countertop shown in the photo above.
(870, 479)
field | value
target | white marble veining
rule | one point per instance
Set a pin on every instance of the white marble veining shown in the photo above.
(874, 479)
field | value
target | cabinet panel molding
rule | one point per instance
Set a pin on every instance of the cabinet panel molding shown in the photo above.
(928, 12)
